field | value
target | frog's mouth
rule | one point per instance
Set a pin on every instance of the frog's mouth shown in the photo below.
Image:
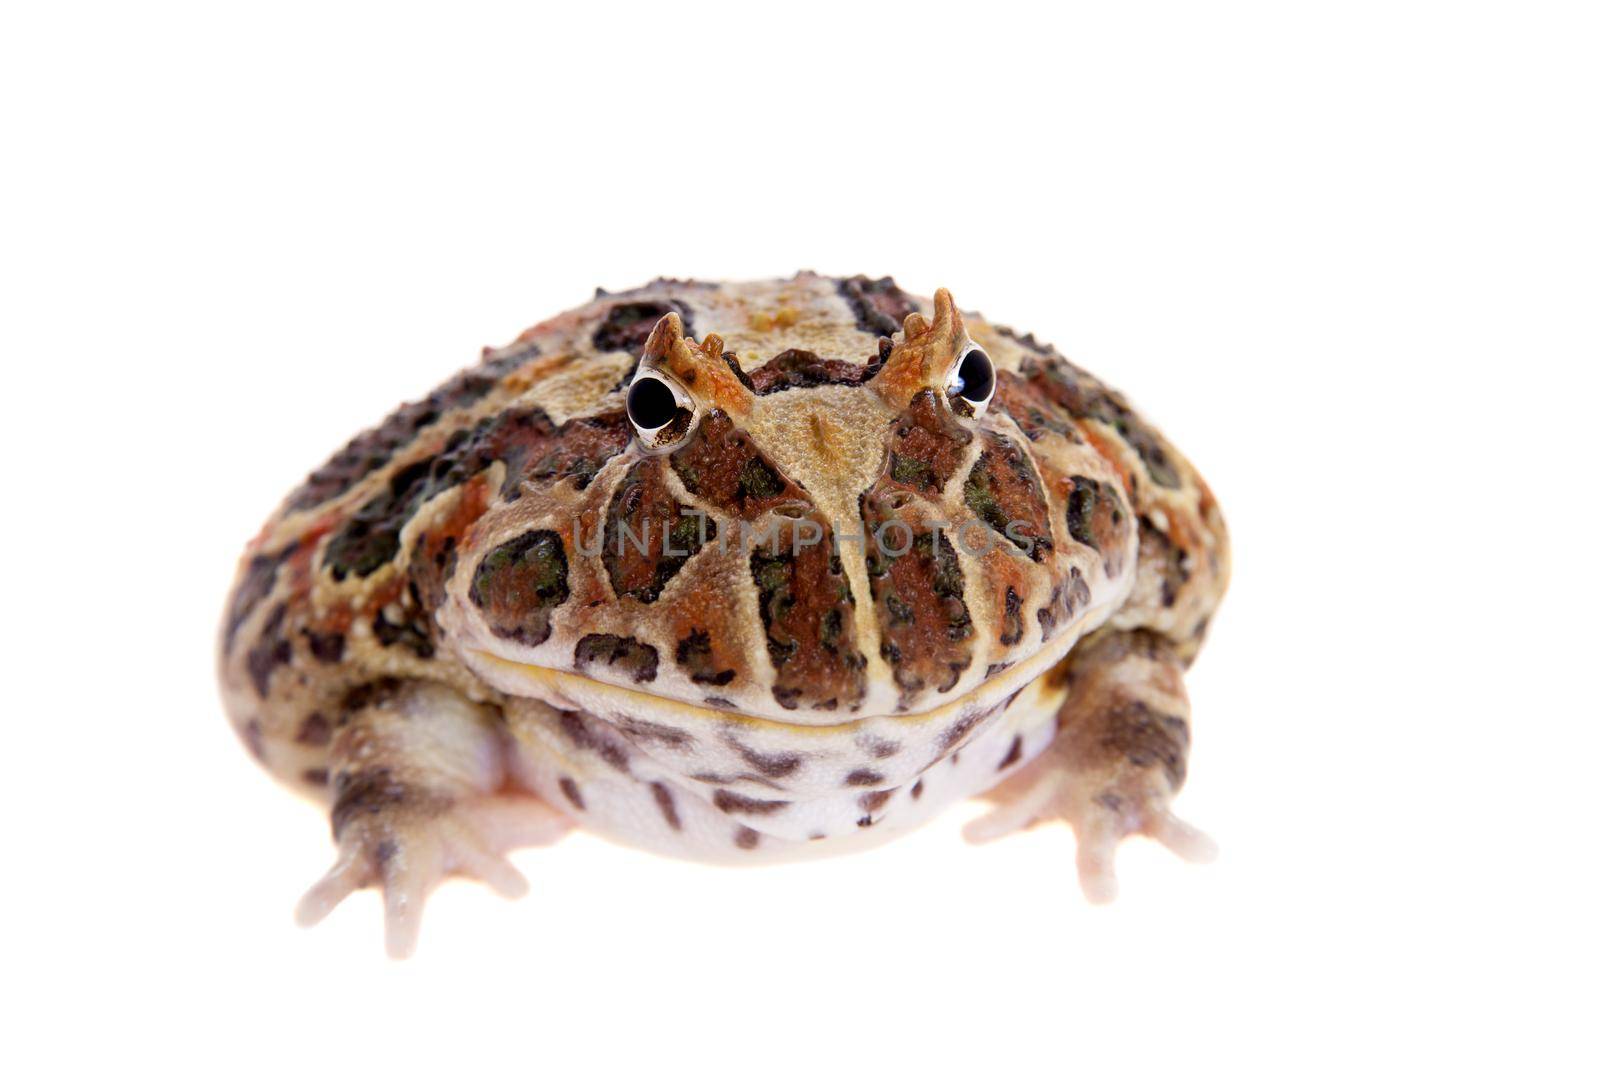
(570, 691)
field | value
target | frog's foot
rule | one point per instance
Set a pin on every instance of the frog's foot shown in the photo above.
(408, 848)
(1116, 763)
(1101, 812)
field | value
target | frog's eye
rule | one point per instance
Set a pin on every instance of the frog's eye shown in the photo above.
(972, 382)
(660, 411)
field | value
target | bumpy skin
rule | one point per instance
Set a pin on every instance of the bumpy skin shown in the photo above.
(497, 613)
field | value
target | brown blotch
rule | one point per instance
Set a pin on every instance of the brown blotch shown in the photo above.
(1145, 738)
(926, 445)
(1052, 380)
(863, 776)
(648, 534)
(916, 789)
(1011, 621)
(1013, 754)
(807, 610)
(325, 647)
(880, 306)
(271, 651)
(796, 368)
(1004, 491)
(917, 590)
(746, 838)
(372, 449)
(520, 583)
(701, 656)
(373, 790)
(1068, 597)
(570, 790)
(626, 326)
(315, 776)
(723, 466)
(635, 659)
(314, 730)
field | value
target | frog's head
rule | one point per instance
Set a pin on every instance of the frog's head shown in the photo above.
(810, 539)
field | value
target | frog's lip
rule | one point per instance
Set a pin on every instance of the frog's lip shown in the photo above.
(568, 690)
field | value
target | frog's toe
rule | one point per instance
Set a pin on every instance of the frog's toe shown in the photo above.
(408, 853)
(1101, 824)
(1134, 803)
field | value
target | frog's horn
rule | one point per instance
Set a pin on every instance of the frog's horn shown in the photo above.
(701, 369)
(923, 358)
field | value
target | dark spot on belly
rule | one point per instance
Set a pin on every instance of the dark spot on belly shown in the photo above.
(638, 661)
(916, 790)
(879, 748)
(880, 306)
(520, 583)
(746, 838)
(863, 776)
(591, 735)
(795, 368)
(769, 764)
(874, 801)
(958, 731)
(648, 535)
(664, 801)
(570, 790)
(642, 732)
(315, 776)
(739, 804)
(1013, 754)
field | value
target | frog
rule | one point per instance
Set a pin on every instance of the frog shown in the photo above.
(734, 572)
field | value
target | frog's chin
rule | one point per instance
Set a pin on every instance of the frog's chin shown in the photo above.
(569, 691)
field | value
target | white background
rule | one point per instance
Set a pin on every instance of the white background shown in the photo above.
(1345, 255)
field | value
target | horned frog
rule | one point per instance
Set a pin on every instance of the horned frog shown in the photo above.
(789, 589)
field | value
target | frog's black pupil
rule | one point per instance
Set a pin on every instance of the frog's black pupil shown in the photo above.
(977, 376)
(651, 404)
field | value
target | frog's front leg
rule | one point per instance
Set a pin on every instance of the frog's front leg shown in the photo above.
(418, 795)
(1117, 760)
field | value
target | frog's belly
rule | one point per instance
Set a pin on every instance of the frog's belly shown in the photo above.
(717, 798)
